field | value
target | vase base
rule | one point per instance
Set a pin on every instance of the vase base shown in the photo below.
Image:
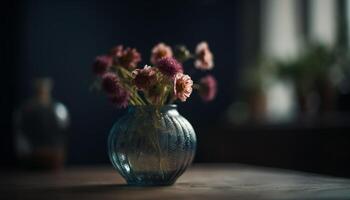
(150, 184)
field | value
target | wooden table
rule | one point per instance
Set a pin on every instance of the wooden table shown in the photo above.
(206, 181)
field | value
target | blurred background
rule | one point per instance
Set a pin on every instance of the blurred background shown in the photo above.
(283, 71)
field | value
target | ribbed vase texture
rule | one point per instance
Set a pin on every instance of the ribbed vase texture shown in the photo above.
(151, 145)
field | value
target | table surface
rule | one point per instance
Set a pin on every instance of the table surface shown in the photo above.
(205, 181)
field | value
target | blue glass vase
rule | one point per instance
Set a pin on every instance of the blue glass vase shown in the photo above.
(151, 145)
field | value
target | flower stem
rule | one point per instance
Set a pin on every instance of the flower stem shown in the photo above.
(127, 76)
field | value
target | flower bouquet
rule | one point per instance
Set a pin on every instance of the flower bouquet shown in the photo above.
(160, 84)
(152, 144)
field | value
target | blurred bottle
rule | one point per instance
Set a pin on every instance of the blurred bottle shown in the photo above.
(41, 129)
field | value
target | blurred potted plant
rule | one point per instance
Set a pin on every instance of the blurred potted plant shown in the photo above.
(312, 74)
(255, 80)
(317, 74)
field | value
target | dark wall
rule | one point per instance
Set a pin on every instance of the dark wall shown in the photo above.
(8, 44)
(60, 39)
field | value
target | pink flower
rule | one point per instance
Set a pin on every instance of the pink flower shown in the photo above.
(169, 66)
(120, 99)
(110, 83)
(127, 58)
(208, 88)
(204, 59)
(117, 51)
(182, 86)
(159, 51)
(101, 65)
(145, 78)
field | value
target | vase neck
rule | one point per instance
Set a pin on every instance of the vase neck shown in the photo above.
(166, 109)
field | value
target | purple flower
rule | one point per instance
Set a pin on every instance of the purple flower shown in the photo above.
(116, 93)
(110, 83)
(127, 58)
(101, 65)
(169, 66)
(120, 99)
(208, 88)
(145, 78)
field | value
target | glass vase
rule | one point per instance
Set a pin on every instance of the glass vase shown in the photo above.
(151, 145)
